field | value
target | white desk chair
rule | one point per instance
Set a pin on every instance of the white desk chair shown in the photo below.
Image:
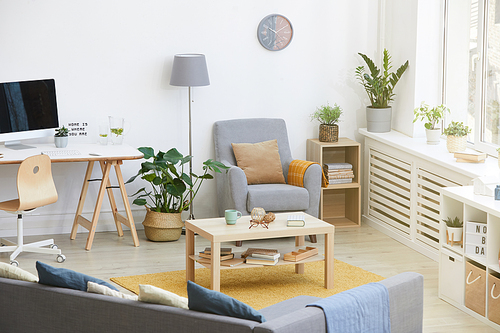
(35, 188)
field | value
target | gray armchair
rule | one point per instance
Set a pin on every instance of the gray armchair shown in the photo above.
(233, 191)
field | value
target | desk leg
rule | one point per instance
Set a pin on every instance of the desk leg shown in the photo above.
(126, 204)
(215, 267)
(299, 241)
(112, 201)
(97, 210)
(79, 209)
(329, 261)
(189, 251)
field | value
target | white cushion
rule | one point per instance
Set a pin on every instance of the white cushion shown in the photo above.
(152, 294)
(11, 272)
(96, 288)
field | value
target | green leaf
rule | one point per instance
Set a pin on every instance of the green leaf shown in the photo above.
(149, 177)
(147, 151)
(140, 202)
(186, 179)
(172, 156)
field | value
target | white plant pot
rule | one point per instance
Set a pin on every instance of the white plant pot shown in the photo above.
(61, 141)
(455, 234)
(378, 120)
(433, 136)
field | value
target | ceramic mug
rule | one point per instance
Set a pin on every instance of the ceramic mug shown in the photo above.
(232, 215)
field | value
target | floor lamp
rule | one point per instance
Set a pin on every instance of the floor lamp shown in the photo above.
(189, 70)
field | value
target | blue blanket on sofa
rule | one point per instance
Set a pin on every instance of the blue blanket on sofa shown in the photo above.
(361, 309)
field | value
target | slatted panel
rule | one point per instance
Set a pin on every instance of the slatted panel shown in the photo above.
(428, 207)
(389, 191)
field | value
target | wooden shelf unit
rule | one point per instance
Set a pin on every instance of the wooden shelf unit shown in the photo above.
(340, 204)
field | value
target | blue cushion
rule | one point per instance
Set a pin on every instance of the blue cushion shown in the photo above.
(66, 278)
(210, 301)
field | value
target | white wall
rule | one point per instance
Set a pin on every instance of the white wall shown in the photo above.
(115, 57)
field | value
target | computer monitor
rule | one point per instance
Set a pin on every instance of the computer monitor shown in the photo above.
(28, 110)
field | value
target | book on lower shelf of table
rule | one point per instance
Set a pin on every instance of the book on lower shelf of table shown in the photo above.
(295, 221)
(223, 250)
(261, 261)
(222, 256)
(251, 250)
(268, 256)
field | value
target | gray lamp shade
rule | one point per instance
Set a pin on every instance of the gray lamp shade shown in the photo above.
(189, 70)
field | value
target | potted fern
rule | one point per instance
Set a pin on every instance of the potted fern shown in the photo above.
(432, 116)
(169, 193)
(328, 116)
(456, 136)
(61, 137)
(379, 85)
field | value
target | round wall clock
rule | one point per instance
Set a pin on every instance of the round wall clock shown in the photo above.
(275, 32)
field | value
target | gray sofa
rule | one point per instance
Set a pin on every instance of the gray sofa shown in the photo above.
(32, 307)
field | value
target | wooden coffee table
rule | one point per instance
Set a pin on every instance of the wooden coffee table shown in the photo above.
(217, 231)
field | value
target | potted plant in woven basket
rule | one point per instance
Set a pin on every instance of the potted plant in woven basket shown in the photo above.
(456, 136)
(379, 86)
(170, 191)
(328, 116)
(433, 116)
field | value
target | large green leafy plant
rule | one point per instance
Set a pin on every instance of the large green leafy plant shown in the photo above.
(170, 184)
(379, 85)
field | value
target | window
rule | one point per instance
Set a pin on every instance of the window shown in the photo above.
(472, 69)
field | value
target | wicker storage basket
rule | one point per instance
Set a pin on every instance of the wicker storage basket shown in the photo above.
(162, 227)
(328, 133)
(456, 143)
(494, 299)
(475, 288)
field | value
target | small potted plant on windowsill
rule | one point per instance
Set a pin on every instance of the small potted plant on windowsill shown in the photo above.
(433, 116)
(456, 136)
(454, 230)
(379, 85)
(328, 116)
(61, 137)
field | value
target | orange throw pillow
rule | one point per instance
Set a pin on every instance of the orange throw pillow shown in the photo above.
(260, 162)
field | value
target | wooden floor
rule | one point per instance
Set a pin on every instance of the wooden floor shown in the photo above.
(365, 247)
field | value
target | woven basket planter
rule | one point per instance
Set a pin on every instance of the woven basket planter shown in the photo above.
(456, 143)
(162, 227)
(328, 133)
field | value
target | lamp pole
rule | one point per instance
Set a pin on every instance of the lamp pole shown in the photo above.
(191, 214)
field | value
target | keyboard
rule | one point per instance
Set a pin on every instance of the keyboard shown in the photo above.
(61, 152)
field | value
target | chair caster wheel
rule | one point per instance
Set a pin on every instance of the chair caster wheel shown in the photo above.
(60, 258)
(14, 263)
(54, 246)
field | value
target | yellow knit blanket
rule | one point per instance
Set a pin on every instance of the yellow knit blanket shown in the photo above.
(296, 172)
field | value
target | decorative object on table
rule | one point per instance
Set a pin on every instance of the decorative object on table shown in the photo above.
(61, 137)
(170, 188)
(269, 217)
(454, 231)
(328, 117)
(189, 70)
(116, 125)
(257, 214)
(301, 254)
(476, 238)
(433, 116)
(470, 157)
(497, 192)
(103, 134)
(231, 215)
(338, 173)
(456, 136)
(379, 85)
(275, 32)
(295, 221)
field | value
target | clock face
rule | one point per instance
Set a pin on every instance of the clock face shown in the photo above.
(275, 32)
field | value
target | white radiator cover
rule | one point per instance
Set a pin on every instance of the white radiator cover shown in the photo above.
(402, 195)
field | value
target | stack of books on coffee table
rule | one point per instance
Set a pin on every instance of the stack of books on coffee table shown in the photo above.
(267, 257)
(338, 173)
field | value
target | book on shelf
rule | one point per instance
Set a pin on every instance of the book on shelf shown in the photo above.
(340, 172)
(462, 160)
(273, 256)
(471, 156)
(223, 250)
(226, 263)
(261, 261)
(295, 221)
(340, 181)
(332, 177)
(337, 166)
(222, 256)
(251, 250)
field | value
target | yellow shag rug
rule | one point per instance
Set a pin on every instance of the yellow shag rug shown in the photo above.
(260, 287)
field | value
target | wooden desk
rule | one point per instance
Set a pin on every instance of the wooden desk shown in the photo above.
(107, 156)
